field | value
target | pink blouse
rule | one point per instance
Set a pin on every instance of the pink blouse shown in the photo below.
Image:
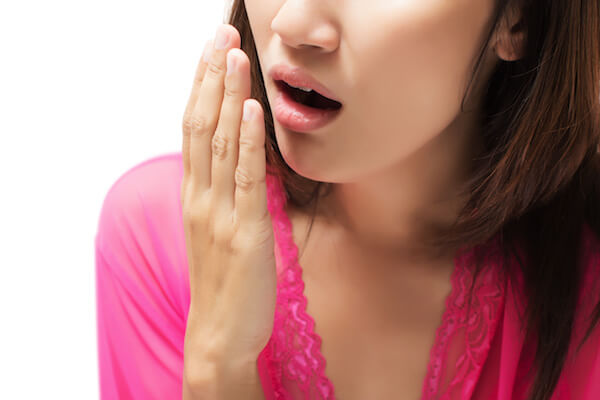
(143, 296)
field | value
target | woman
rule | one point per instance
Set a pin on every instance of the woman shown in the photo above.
(446, 170)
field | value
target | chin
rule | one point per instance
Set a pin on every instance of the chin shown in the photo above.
(300, 154)
(301, 164)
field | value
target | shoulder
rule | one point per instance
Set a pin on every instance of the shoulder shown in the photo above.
(144, 197)
(579, 377)
(589, 289)
(142, 283)
(590, 259)
(150, 178)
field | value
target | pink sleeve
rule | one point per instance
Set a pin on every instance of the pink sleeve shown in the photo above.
(142, 286)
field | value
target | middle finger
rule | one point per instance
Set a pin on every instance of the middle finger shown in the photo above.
(207, 109)
(226, 140)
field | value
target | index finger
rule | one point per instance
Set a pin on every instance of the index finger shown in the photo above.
(187, 128)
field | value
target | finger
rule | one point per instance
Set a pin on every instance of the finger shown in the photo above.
(187, 125)
(206, 111)
(227, 134)
(250, 174)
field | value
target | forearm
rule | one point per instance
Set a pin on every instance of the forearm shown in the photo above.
(225, 381)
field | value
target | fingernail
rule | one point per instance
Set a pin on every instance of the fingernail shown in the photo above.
(207, 52)
(231, 63)
(248, 113)
(222, 38)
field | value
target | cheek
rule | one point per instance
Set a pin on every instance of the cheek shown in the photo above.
(413, 71)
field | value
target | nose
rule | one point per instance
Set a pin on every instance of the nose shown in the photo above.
(306, 24)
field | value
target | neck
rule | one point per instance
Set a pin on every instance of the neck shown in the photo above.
(395, 209)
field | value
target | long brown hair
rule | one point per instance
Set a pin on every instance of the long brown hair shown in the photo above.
(537, 181)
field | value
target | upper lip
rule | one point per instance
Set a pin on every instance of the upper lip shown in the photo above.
(296, 76)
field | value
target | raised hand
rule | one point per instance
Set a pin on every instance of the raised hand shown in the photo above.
(228, 230)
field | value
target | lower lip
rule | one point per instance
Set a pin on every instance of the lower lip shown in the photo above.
(298, 117)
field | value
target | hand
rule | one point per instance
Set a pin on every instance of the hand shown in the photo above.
(228, 229)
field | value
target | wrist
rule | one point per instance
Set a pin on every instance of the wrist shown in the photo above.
(225, 379)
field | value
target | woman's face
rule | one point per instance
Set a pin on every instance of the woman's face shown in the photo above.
(399, 67)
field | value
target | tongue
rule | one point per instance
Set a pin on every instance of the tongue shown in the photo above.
(312, 99)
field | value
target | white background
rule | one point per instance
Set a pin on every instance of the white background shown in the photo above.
(87, 90)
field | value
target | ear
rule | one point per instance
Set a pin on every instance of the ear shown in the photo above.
(509, 42)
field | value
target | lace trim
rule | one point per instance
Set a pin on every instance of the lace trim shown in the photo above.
(448, 325)
(479, 328)
(294, 347)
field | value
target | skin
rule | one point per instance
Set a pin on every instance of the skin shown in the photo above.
(223, 190)
(401, 145)
(396, 155)
(228, 230)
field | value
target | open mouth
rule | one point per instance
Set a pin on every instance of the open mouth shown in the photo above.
(310, 99)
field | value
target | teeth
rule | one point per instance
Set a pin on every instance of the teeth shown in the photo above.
(302, 88)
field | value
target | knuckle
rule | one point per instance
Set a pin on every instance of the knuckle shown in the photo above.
(248, 144)
(219, 146)
(243, 179)
(198, 80)
(187, 126)
(195, 217)
(195, 211)
(222, 236)
(231, 92)
(215, 69)
(198, 126)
